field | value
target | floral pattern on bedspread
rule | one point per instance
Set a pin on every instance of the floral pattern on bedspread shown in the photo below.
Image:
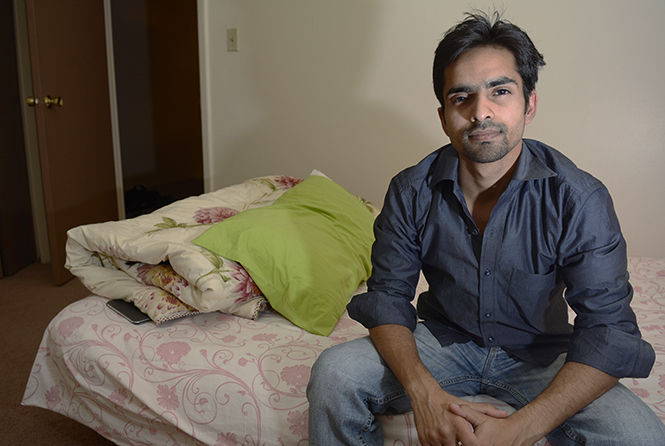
(648, 279)
(217, 379)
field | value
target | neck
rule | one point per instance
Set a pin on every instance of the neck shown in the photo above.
(483, 184)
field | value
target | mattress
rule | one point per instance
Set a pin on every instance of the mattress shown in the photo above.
(220, 379)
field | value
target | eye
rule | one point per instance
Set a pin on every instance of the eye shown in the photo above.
(456, 100)
(501, 92)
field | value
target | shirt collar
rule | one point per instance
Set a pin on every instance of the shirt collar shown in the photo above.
(529, 166)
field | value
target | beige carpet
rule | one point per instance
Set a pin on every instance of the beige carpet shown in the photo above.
(28, 301)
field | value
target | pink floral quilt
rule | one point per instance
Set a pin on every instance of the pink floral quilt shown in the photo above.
(219, 379)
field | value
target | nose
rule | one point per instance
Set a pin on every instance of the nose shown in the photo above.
(482, 109)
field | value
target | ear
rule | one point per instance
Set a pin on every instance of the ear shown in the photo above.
(531, 107)
(442, 118)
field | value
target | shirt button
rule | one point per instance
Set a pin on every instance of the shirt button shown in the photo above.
(475, 233)
(488, 315)
(488, 272)
(491, 339)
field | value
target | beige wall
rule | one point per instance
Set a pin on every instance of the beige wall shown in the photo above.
(344, 87)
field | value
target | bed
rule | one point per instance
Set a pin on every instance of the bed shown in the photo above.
(224, 361)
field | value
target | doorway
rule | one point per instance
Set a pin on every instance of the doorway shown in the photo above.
(155, 52)
(156, 78)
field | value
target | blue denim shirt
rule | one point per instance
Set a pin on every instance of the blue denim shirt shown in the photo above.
(553, 232)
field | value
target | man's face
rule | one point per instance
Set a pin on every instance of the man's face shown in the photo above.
(484, 114)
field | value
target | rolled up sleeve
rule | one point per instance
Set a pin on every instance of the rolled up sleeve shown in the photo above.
(605, 332)
(395, 264)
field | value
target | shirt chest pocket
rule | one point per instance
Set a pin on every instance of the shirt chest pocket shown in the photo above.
(531, 300)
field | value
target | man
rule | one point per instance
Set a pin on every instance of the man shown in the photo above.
(500, 227)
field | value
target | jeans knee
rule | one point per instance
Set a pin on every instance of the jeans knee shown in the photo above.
(318, 374)
(337, 390)
(340, 371)
(618, 417)
(325, 376)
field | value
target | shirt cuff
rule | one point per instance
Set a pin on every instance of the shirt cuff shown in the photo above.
(612, 351)
(375, 308)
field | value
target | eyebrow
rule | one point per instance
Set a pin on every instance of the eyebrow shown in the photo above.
(503, 80)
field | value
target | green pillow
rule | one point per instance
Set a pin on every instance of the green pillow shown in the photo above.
(307, 252)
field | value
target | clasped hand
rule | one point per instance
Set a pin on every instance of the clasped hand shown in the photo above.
(448, 422)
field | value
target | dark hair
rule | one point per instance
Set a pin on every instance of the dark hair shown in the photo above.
(480, 30)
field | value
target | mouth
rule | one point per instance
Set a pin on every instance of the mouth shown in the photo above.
(483, 133)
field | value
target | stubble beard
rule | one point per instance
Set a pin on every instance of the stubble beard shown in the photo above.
(486, 151)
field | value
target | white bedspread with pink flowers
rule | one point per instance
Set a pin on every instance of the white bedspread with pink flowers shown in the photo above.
(219, 379)
(150, 260)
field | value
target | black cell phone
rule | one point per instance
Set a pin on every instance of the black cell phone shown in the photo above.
(128, 310)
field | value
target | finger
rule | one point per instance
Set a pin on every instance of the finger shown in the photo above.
(490, 410)
(469, 414)
(487, 409)
(466, 436)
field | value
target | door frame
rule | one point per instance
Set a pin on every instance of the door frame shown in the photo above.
(113, 100)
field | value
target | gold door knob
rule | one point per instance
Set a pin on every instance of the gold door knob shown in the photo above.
(32, 102)
(53, 101)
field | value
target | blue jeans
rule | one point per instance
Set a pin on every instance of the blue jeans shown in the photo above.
(350, 383)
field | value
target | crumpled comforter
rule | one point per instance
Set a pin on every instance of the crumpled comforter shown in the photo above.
(149, 260)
